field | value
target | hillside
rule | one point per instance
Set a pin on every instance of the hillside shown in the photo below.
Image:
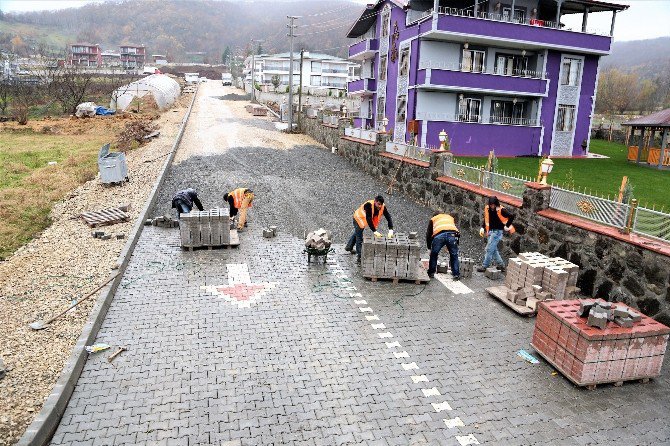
(186, 26)
(648, 58)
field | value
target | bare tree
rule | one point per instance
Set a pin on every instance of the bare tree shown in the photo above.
(5, 89)
(24, 95)
(69, 85)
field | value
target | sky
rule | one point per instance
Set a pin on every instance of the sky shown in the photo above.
(646, 19)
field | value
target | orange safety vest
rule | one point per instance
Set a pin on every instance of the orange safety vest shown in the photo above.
(238, 197)
(359, 215)
(500, 216)
(443, 222)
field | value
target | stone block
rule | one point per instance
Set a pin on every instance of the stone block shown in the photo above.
(512, 296)
(493, 274)
(585, 307)
(625, 322)
(597, 319)
(267, 233)
(105, 237)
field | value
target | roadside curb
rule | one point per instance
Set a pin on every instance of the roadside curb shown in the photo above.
(40, 431)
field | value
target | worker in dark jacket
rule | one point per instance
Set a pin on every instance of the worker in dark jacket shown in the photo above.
(497, 221)
(441, 232)
(184, 200)
(241, 200)
(368, 215)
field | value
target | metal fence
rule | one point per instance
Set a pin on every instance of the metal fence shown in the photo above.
(652, 223)
(499, 182)
(409, 151)
(601, 210)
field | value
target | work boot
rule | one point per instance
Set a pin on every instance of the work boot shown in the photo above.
(456, 278)
(481, 269)
(350, 250)
(501, 268)
(358, 261)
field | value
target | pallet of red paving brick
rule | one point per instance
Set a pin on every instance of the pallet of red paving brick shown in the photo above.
(105, 217)
(589, 356)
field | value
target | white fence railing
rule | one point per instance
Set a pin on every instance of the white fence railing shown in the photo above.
(477, 119)
(358, 133)
(468, 68)
(331, 119)
(505, 184)
(601, 210)
(409, 151)
(652, 223)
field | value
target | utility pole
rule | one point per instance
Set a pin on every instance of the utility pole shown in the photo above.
(253, 69)
(302, 56)
(291, 35)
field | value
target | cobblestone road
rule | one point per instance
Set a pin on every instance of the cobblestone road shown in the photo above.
(322, 357)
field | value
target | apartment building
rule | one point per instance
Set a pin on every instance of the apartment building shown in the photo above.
(495, 75)
(318, 71)
(133, 57)
(85, 54)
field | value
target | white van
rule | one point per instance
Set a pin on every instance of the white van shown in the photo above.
(192, 78)
(226, 79)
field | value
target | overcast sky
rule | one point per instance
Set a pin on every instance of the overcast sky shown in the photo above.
(646, 19)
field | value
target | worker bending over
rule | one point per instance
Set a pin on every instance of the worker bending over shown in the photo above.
(497, 221)
(184, 200)
(441, 232)
(368, 215)
(239, 200)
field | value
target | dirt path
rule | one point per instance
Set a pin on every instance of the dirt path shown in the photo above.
(63, 264)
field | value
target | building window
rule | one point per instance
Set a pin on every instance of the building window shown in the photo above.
(315, 81)
(404, 62)
(382, 68)
(371, 107)
(511, 65)
(316, 67)
(519, 14)
(401, 108)
(381, 105)
(571, 72)
(473, 61)
(386, 15)
(566, 118)
(469, 110)
(506, 112)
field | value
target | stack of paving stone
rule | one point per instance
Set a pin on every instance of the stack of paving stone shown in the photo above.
(599, 313)
(533, 277)
(588, 355)
(205, 228)
(318, 240)
(466, 266)
(391, 258)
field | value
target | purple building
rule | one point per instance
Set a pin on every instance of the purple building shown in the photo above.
(495, 75)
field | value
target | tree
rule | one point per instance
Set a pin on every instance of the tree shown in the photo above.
(225, 57)
(5, 88)
(69, 85)
(276, 80)
(24, 95)
(259, 50)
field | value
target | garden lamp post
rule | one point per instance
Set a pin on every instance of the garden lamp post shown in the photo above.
(443, 139)
(545, 169)
(385, 122)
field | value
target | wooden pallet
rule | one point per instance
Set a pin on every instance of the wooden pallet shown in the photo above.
(234, 243)
(423, 278)
(500, 293)
(104, 217)
(589, 385)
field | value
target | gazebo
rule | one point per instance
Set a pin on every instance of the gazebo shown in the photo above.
(647, 127)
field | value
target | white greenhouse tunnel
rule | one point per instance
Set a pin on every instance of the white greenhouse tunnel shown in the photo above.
(164, 89)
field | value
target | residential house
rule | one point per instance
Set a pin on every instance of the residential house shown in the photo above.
(111, 59)
(495, 75)
(133, 57)
(85, 54)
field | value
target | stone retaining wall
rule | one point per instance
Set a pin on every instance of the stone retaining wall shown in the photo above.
(610, 267)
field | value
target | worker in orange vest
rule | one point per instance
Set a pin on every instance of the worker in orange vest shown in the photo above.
(368, 215)
(497, 221)
(240, 200)
(441, 232)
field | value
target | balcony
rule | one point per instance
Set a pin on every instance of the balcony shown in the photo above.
(536, 34)
(445, 77)
(363, 87)
(478, 119)
(364, 49)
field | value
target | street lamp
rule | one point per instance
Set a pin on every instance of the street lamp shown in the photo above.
(443, 139)
(344, 111)
(385, 122)
(546, 167)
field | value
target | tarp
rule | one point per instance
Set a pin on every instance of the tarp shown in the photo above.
(164, 90)
(100, 110)
(85, 109)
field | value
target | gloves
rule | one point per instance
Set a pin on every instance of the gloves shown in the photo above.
(506, 228)
(390, 233)
(481, 232)
(378, 234)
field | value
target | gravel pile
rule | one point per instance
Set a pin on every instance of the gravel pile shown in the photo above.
(63, 264)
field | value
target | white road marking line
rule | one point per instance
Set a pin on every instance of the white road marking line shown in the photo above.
(366, 310)
(372, 318)
(466, 440)
(385, 335)
(393, 344)
(360, 302)
(238, 273)
(419, 379)
(431, 392)
(456, 422)
(439, 407)
(455, 287)
(410, 366)
(355, 295)
(378, 326)
(401, 355)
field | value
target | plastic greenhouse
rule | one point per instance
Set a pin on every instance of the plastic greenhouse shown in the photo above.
(164, 89)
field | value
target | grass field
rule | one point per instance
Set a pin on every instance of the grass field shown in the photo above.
(29, 186)
(597, 176)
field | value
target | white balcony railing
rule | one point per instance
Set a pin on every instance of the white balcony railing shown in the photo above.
(370, 34)
(414, 16)
(498, 71)
(366, 135)
(478, 119)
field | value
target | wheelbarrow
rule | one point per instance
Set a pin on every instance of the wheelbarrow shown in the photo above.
(318, 253)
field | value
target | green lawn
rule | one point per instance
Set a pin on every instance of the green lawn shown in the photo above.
(597, 176)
